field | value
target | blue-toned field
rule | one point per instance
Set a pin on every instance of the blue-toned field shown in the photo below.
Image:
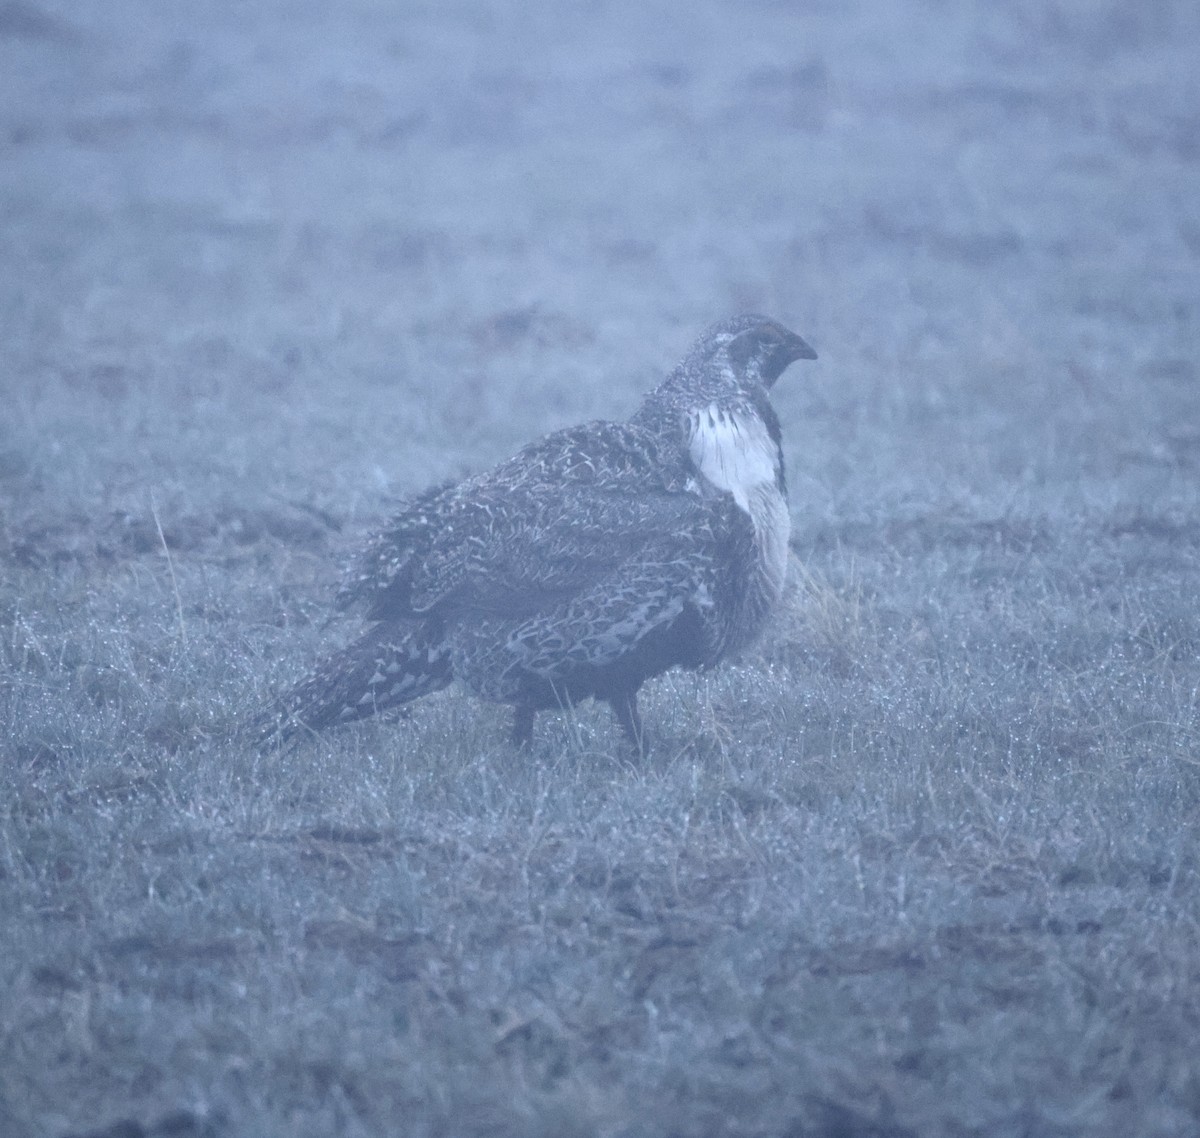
(924, 864)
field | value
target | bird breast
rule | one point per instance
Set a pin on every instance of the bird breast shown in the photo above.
(734, 452)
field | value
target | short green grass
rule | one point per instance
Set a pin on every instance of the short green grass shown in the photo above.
(923, 863)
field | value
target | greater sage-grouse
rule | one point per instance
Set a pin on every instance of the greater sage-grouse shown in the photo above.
(597, 557)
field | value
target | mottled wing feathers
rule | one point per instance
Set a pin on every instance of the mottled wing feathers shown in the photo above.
(604, 623)
(381, 576)
(538, 527)
(534, 558)
(649, 611)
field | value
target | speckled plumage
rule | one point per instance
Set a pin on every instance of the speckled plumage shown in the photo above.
(595, 558)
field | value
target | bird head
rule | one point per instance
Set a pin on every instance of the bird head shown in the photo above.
(753, 347)
(737, 359)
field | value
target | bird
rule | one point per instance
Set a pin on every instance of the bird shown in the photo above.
(594, 559)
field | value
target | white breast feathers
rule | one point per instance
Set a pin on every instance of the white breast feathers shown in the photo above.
(733, 451)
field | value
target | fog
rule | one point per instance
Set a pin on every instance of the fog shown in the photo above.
(922, 863)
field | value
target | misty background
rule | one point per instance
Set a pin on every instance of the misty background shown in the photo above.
(979, 213)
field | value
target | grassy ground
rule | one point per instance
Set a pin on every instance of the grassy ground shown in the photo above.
(924, 864)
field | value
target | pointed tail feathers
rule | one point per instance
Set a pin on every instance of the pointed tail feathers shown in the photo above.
(386, 667)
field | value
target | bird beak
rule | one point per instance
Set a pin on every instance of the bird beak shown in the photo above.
(801, 350)
(785, 351)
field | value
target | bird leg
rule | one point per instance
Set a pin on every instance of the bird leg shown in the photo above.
(625, 708)
(522, 730)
